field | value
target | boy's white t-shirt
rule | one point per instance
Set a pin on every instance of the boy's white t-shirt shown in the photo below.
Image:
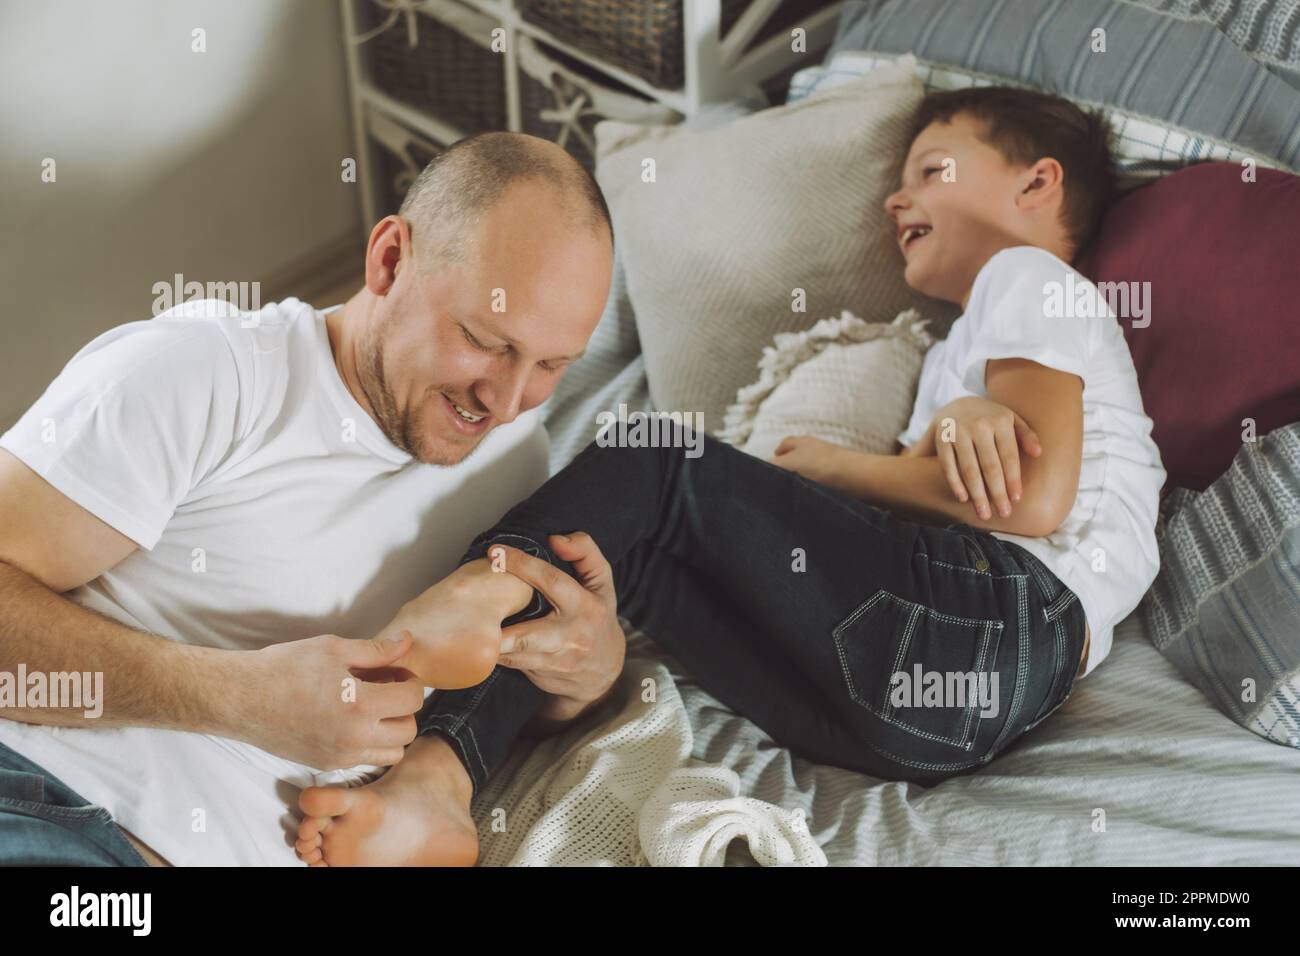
(1105, 551)
(268, 506)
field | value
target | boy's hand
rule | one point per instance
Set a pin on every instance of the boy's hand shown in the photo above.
(978, 443)
(810, 457)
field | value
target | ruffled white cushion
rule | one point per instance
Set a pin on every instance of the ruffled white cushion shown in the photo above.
(844, 380)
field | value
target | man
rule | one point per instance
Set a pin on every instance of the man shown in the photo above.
(196, 495)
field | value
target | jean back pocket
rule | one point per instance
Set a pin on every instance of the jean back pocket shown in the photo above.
(920, 670)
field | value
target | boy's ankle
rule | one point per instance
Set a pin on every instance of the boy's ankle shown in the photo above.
(479, 580)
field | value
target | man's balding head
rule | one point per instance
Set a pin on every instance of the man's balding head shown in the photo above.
(484, 287)
(449, 198)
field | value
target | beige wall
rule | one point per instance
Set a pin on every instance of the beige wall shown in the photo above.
(223, 166)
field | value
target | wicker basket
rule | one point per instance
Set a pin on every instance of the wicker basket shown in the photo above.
(550, 81)
(644, 37)
(534, 97)
(453, 75)
(400, 156)
(447, 75)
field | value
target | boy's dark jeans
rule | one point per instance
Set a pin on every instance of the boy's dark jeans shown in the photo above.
(796, 606)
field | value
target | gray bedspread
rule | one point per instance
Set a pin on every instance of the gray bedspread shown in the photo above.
(1138, 768)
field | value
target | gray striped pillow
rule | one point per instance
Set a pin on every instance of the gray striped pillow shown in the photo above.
(1225, 607)
(1167, 62)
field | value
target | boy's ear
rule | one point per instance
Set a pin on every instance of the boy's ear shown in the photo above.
(1042, 182)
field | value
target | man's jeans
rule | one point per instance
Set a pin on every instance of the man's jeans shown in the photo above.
(44, 823)
(851, 636)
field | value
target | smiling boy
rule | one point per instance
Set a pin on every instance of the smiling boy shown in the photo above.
(1031, 414)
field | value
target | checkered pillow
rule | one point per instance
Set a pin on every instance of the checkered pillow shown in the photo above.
(1225, 607)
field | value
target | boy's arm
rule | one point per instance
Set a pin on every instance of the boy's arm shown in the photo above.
(924, 445)
(1050, 401)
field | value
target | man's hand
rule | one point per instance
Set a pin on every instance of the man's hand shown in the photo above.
(327, 701)
(978, 442)
(818, 460)
(576, 652)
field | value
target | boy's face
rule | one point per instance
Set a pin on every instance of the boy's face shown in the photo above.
(965, 194)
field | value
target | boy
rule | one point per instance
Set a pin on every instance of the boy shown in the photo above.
(987, 211)
(994, 623)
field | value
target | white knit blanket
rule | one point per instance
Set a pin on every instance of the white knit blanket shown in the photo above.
(623, 790)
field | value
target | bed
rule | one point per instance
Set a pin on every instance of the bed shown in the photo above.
(1139, 767)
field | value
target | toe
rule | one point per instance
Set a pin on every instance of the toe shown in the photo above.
(313, 827)
(325, 801)
(306, 846)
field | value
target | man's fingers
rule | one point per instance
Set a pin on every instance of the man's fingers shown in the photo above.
(396, 731)
(394, 699)
(527, 661)
(561, 590)
(535, 637)
(580, 550)
(546, 680)
(380, 652)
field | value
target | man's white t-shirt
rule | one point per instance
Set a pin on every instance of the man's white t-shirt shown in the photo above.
(268, 506)
(1105, 551)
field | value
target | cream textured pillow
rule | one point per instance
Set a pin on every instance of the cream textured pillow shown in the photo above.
(739, 217)
(844, 380)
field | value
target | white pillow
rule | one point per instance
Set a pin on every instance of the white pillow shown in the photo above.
(738, 223)
(844, 380)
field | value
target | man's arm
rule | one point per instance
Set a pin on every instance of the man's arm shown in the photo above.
(49, 544)
(1050, 401)
(285, 698)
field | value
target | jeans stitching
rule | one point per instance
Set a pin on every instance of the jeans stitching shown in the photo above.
(966, 739)
(478, 754)
(986, 574)
(839, 644)
(1059, 605)
(974, 543)
(886, 712)
(949, 766)
(129, 846)
(459, 719)
(53, 810)
(462, 750)
(1053, 708)
(1045, 584)
(1022, 667)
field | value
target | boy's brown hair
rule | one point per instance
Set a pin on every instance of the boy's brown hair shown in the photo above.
(1025, 126)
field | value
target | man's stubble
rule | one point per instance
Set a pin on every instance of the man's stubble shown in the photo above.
(405, 430)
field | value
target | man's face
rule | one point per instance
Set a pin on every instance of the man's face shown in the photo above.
(962, 194)
(443, 366)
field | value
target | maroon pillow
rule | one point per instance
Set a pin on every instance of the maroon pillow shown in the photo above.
(1223, 343)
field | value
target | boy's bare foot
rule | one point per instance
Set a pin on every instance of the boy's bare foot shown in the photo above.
(417, 814)
(456, 625)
